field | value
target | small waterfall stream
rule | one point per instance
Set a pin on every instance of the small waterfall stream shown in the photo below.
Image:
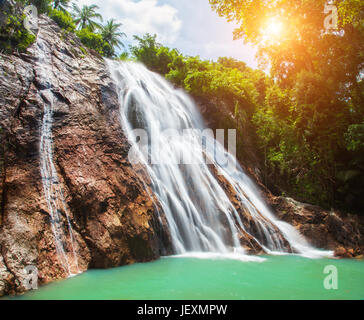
(52, 188)
(200, 214)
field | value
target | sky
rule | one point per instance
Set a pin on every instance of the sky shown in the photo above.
(188, 25)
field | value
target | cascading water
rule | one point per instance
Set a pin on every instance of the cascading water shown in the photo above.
(51, 185)
(200, 215)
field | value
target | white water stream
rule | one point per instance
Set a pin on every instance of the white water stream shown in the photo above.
(201, 218)
(52, 188)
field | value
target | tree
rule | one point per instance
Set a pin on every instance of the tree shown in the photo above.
(110, 33)
(43, 6)
(303, 43)
(314, 112)
(63, 19)
(149, 51)
(85, 17)
(62, 5)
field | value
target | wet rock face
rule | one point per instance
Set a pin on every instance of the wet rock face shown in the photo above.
(342, 233)
(114, 221)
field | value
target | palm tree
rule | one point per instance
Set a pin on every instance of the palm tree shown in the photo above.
(84, 17)
(61, 4)
(110, 33)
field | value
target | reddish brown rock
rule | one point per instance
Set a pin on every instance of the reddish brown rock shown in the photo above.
(342, 233)
(113, 219)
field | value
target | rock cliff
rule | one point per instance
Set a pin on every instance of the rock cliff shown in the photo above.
(114, 220)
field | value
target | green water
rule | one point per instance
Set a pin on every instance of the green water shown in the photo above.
(279, 277)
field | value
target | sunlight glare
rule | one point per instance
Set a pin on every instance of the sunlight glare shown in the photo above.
(273, 29)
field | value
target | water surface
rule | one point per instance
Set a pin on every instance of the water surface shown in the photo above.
(277, 277)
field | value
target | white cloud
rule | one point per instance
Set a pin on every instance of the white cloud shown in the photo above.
(140, 17)
(190, 26)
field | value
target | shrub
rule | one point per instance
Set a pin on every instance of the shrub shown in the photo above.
(355, 137)
(84, 51)
(124, 56)
(13, 35)
(63, 19)
(95, 41)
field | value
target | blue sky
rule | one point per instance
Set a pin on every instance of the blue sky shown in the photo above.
(188, 25)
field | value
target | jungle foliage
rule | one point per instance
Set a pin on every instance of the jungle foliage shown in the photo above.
(308, 114)
(13, 34)
(311, 122)
(85, 22)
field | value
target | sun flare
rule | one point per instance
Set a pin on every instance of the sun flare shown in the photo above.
(273, 29)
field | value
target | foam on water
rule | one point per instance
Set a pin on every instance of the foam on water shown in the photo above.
(220, 256)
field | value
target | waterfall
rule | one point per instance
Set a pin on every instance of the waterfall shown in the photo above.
(51, 185)
(200, 214)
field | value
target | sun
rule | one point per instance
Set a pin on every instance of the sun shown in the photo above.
(273, 29)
